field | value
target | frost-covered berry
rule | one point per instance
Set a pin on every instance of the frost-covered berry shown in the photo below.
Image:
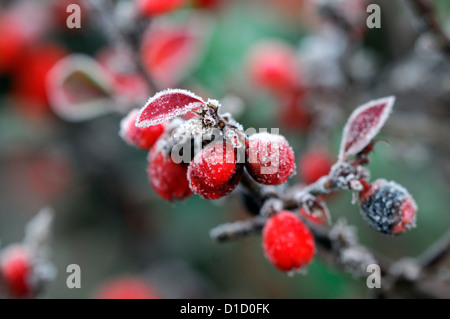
(270, 159)
(126, 288)
(169, 179)
(287, 242)
(273, 66)
(314, 164)
(16, 268)
(388, 207)
(156, 7)
(214, 172)
(141, 137)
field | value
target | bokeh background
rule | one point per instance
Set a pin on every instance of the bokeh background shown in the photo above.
(110, 222)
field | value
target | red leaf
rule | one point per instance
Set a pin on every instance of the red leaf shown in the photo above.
(166, 105)
(362, 126)
(171, 51)
(79, 89)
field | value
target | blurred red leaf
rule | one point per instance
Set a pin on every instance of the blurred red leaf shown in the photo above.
(169, 51)
(80, 89)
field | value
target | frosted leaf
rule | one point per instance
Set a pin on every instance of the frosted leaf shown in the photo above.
(79, 89)
(166, 105)
(362, 126)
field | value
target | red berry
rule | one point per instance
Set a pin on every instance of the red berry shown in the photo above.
(273, 65)
(287, 242)
(214, 172)
(12, 43)
(169, 179)
(388, 207)
(314, 164)
(30, 78)
(145, 137)
(156, 7)
(293, 114)
(126, 288)
(270, 159)
(16, 266)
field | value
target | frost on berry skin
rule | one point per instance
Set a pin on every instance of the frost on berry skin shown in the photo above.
(127, 287)
(168, 179)
(363, 124)
(314, 164)
(272, 65)
(16, 269)
(152, 8)
(270, 159)
(388, 207)
(143, 138)
(214, 172)
(167, 105)
(287, 242)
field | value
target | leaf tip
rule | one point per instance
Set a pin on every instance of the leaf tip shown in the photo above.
(363, 124)
(166, 105)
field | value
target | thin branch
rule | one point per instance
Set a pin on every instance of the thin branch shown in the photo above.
(436, 254)
(237, 230)
(339, 244)
(103, 9)
(425, 10)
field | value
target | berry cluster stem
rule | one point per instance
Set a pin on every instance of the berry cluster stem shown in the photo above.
(426, 11)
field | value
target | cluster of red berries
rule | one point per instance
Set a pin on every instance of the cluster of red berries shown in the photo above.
(215, 171)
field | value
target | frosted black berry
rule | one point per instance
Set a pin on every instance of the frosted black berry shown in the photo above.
(388, 207)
